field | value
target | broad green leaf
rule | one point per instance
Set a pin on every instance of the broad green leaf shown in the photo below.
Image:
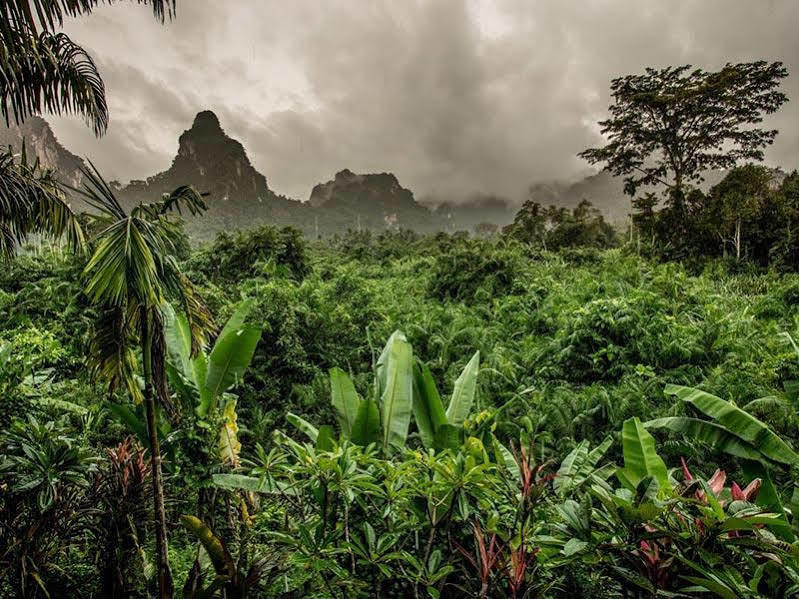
(707, 432)
(366, 428)
(460, 405)
(505, 458)
(303, 426)
(229, 359)
(640, 458)
(199, 366)
(236, 320)
(345, 400)
(245, 483)
(182, 385)
(324, 440)
(573, 546)
(569, 467)
(428, 410)
(177, 334)
(448, 436)
(129, 418)
(229, 445)
(738, 422)
(714, 586)
(768, 497)
(395, 376)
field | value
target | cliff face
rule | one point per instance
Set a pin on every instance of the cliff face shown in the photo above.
(40, 141)
(214, 163)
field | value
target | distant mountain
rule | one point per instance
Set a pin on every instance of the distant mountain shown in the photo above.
(372, 201)
(216, 164)
(603, 190)
(42, 143)
(239, 196)
(481, 209)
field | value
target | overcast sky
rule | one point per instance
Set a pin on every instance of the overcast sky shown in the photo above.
(453, 96)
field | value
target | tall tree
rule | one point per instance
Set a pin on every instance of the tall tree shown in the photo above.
(667, 126)
(738, 198)
(130, 277)
(644, 216)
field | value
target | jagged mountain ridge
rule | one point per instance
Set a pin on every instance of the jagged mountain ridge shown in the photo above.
(240, 197)
(40, 141)
(216, 164)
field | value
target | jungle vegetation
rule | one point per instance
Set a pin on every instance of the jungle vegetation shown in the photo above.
(562, 409)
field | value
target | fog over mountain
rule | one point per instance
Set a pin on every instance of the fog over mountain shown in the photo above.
(456, 97)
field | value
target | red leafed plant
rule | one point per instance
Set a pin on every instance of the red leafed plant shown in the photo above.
(521, 561)
(488, 558)
(533, 482)
(716, 484)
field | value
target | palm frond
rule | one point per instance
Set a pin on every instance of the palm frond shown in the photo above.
(31, 202)
(42, 70)
(50, 73)
(98, 194)
(184, 197)
(50, 14)
(111, 355)
(130, 262)
(201, 323)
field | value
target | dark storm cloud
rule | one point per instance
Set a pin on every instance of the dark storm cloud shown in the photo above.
(454, 96)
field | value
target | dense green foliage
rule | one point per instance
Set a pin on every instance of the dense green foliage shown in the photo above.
(340, 469)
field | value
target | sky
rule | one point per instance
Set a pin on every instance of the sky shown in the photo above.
(455, 97)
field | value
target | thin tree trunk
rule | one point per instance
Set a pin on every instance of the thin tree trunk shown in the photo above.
(165, 585)
(738, 240)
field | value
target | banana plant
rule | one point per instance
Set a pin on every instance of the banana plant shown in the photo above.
(439, 429)
(204, 382)
(734, 431)
(233, 579)
(403, 388)
(641, 461)
(580, 469)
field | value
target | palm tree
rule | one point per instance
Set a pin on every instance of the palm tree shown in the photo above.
(42, 70)
(130, 277)
(31, 202)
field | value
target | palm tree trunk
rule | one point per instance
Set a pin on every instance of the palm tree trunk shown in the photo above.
(165, 585)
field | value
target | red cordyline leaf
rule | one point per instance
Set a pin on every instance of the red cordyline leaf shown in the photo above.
(489, 555)
(747, 494)
(716, 484)
(650, 553)
(520, 560)
(530, 473)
